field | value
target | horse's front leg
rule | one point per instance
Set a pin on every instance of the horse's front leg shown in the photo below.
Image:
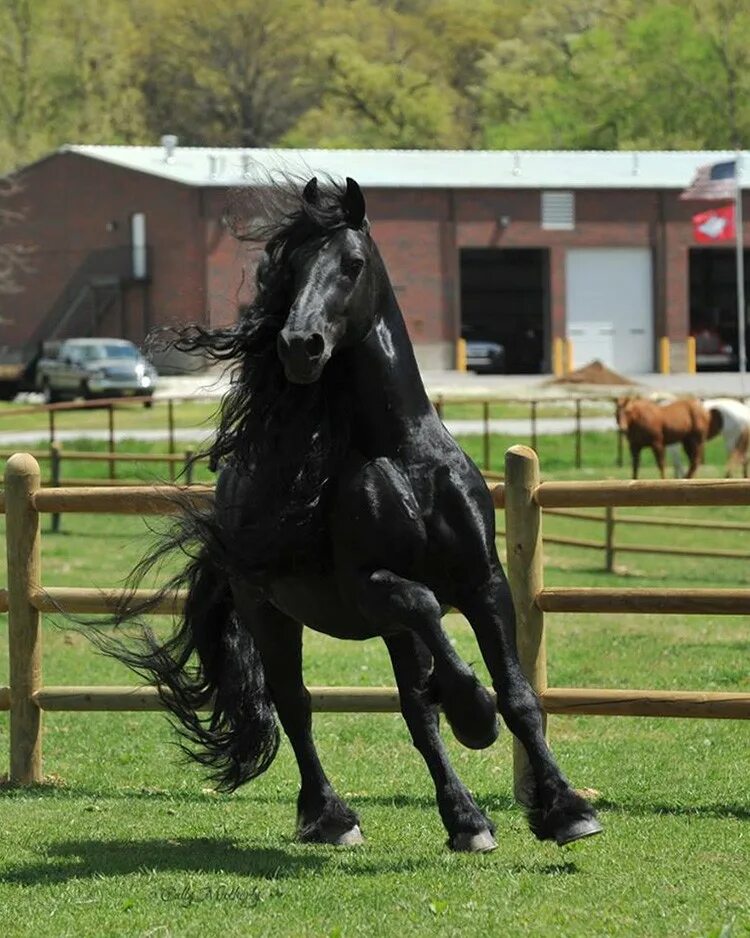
(468, 828)
(397, 605)
(635, 458)
(658, 450)
(322, 816)
(555, 811)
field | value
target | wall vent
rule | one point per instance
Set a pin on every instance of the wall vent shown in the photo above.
(558, 211)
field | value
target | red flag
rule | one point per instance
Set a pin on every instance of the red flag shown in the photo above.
(715, 225)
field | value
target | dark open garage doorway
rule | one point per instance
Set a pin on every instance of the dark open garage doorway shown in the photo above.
(504, 299)
(713, 307)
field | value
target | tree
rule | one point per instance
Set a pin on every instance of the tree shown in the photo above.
(622, 74)
(228, 73)
(399, 75)
(14, 257)
(67, 71)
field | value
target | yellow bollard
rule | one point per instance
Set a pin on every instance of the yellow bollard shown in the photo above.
(557, 357)
(461, 355)
(664, 355)
(691, 361)
(568, 357)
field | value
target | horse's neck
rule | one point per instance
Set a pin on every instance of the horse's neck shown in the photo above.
(390, 401)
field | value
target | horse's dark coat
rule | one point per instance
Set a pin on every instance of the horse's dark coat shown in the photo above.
(344, 504)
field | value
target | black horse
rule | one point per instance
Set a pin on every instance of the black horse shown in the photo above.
(343, 504)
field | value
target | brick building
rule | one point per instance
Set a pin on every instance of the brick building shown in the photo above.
(518, 246)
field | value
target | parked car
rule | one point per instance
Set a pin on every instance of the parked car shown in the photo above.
(93, 368)
(485, 356)
(712, 353)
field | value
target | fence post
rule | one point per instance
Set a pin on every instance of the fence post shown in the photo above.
(533, 427)
(55, 460)
(188, 469)
(170, 433)
(111, 415)
(578, 433)
(486, 419)
(22, 480)
(523, 538)
(609, 520)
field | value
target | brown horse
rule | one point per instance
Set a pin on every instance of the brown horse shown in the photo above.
(647, 424)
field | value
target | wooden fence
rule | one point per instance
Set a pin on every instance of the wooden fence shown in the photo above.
(522, 496)
(611, 521)
(442, 403)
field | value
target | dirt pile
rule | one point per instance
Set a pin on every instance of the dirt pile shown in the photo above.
(593, 373)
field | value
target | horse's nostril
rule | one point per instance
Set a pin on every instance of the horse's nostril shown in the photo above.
(314, 345)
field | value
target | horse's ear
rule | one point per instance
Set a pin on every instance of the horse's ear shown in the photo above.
(354, 204)
(310, 192)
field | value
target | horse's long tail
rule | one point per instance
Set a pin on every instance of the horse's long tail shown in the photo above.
(209, 663)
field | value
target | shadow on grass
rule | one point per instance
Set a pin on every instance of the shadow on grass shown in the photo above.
(89, 859)
(56, 788)
(740, 812)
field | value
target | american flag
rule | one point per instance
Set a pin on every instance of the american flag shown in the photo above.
(713, 181)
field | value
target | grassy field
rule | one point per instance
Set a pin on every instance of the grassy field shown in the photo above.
(125, 839)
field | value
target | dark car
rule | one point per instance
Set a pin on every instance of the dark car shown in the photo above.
(712, 352)
(484, 356)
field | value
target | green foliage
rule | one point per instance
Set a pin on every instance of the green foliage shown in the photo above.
(370, 73)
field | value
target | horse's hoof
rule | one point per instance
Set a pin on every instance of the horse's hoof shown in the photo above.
(483, 842)
(351, 838)
(577, 830)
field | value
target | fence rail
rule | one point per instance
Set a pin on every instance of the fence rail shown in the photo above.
(612, 521)
(523, 497)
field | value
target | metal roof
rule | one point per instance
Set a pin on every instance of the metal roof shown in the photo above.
(429, 169)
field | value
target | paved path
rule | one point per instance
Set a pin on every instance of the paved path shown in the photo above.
(707, 384)
(546, 426)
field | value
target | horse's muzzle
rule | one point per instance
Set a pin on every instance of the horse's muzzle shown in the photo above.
(303, 355)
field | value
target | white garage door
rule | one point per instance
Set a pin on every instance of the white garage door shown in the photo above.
(610, 307)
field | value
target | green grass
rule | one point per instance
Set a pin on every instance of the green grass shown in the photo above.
(127, 840)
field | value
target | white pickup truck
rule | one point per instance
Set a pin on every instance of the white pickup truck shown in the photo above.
(93, 368)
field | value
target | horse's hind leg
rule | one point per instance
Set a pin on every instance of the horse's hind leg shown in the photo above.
(322, 816)
(555, 811)
(468, 829)
(694, 452)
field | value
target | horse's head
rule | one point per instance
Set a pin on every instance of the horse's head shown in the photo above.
(332, 297)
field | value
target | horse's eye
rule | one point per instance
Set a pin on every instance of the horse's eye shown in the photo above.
(351, 266)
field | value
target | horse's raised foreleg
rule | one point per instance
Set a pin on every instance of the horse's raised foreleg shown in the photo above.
(322, 816)
(468, 828)
(396, 605)
(555, 811)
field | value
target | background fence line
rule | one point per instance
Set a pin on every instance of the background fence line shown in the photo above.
(612, 521)
(522, 496)
(441, 402)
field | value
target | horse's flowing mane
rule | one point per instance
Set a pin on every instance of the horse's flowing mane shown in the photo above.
(287, 439)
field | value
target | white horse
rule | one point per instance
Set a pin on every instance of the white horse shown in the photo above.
(731, 418)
